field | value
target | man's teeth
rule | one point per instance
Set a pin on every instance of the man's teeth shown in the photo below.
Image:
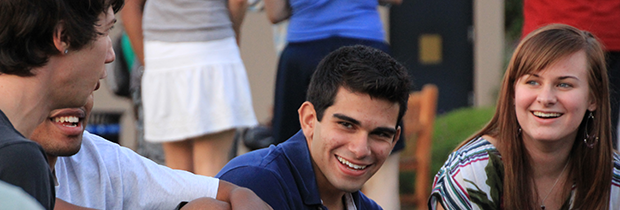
(543, 114)
(351, 165)
(73, 120)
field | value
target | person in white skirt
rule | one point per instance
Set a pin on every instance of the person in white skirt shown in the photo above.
(195, 89)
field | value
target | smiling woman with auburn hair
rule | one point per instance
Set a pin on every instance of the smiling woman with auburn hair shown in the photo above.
(548, 146)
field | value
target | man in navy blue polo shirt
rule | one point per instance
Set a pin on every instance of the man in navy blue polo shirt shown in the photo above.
(349, 125)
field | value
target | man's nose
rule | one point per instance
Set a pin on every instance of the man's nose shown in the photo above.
(359, 146)
(110, 55)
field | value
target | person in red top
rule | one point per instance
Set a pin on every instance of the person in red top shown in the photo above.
(600, 17)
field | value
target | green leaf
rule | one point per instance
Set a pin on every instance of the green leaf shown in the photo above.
(480, 198)
(495, 177)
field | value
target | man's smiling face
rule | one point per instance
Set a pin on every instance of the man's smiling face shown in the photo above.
(352, 140)
(61, 133)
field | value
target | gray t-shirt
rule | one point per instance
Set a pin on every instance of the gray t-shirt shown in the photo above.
(186, 20)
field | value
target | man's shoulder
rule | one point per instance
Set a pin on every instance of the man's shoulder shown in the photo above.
(274, 159)
(17, 146)
(9, 136)
(21, 154)
(264, 171)
(365, 203)
(262, 160)
(16, 151)
(97, 142)
(269, 179)
(23, 163)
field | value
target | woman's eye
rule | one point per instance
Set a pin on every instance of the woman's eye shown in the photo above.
(564, 85)
(531, 82)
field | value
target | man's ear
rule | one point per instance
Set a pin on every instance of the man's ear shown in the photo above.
(396, 136)
(61, 45)
(307, 119)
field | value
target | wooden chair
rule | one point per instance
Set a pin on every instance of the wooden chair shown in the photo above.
(418, 127)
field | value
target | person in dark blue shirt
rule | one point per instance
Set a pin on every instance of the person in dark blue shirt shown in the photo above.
(349, 125)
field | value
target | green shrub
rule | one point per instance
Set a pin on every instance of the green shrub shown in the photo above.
(454, 127)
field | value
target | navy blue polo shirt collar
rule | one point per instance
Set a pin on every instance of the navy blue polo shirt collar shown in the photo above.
(297, 153)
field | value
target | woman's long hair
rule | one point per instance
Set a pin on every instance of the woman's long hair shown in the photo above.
(590, 168)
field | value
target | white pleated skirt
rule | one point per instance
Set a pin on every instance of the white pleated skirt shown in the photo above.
(190, 89)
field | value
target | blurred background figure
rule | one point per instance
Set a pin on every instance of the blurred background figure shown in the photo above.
(195, 89)
(132, 53)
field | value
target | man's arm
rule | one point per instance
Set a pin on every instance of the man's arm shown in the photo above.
(205, 203)
(63, 205)
(277, 10)
(239, 197)
(237, 10)
(228, 196)
(161, 187)
(116, 173)
(132, 21)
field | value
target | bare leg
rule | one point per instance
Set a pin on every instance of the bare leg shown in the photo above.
(383, 186)
(211, 152)
(179, 155)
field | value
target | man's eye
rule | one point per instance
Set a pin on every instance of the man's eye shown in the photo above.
(385, 135)
(346, 124)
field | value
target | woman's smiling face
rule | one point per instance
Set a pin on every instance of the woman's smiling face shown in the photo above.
(550, 104)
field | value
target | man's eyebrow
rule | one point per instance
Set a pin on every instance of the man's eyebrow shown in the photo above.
(390, 131)
(347, 118)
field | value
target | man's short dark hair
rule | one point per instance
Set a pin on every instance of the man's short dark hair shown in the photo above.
(27, 28)
(359, 69)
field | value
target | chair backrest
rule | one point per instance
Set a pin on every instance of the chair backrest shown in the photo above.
(418, 127)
